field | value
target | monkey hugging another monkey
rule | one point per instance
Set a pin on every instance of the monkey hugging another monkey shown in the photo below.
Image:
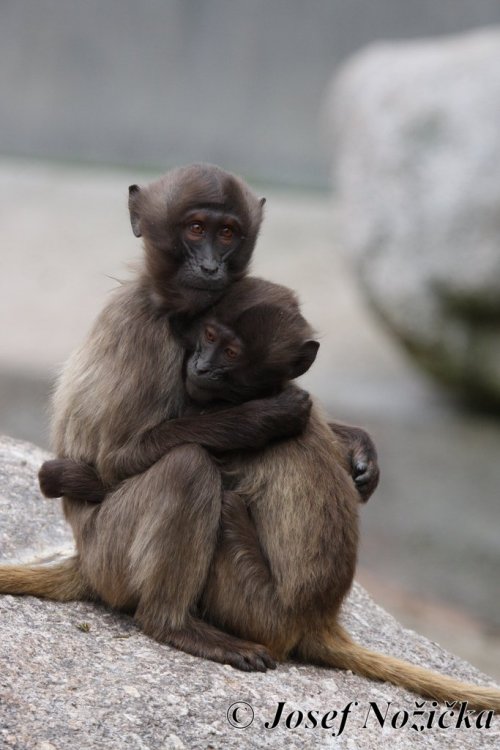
(207, 495)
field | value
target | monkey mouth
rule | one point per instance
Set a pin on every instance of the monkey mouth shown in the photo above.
(198, 392)
(209, 286)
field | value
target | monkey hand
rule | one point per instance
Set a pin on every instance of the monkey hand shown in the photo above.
(250, 425)
(364, 465)
(362, 456)
(291, 409)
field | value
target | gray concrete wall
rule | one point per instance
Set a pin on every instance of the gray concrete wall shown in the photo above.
(237, 82)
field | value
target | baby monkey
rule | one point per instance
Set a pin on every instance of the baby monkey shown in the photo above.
(247, 348)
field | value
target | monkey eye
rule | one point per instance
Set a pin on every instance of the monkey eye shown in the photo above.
(231, 352)
(226, 234)
(196, 228)
(210, 334)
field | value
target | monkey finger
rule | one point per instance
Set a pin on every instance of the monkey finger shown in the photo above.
(256, 659)
(363, 478)
(263, 656)
(367, 482)
(362, 482)
(256, 663)
(365, 470)
(360, 466)
(268, 660)
(245, 662)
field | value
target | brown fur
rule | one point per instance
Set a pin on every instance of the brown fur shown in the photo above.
(334, 647)
(303, 505)
(279, 573)
(62, 582)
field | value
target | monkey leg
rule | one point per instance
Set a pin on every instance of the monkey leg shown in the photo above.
(175, 537)
(241, 593)
(287, 554)
(241, 543)
(177, 506)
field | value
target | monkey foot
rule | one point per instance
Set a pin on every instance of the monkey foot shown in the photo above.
(50, 477)
(210, 643)
(251, 658)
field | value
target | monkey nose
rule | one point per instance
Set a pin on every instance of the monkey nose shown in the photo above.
(202, 368)
(209, 267)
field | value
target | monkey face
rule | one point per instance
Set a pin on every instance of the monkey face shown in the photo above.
(250, 357)
(208, 238)
(212, 368)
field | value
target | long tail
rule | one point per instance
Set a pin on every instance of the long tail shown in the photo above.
(336, 649)
(62, 582)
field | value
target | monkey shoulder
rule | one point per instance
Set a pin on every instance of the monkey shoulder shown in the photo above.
(119, 379)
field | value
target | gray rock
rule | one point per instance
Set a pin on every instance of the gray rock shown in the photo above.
(417, 149)
(81, 676)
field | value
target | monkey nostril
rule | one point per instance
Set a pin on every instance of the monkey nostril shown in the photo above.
(209, 268)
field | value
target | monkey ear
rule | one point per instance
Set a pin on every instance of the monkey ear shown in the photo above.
(262, 202)
(133, 194)
(305, 358)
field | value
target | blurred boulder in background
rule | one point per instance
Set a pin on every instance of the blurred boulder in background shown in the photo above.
(417, 187)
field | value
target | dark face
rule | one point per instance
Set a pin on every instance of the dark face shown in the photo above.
(207, 237)
(212, 368)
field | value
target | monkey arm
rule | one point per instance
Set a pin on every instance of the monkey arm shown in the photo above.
(250, 425)
(362, 455)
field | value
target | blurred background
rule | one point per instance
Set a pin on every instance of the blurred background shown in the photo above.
(373, 129)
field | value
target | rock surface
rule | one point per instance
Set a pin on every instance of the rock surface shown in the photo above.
(79, 675)
(417, 149)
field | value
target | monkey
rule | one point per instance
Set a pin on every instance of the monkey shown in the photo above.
(199, 225)
(241, 350)
(250, 592)
(259, 341)
(277, 576)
